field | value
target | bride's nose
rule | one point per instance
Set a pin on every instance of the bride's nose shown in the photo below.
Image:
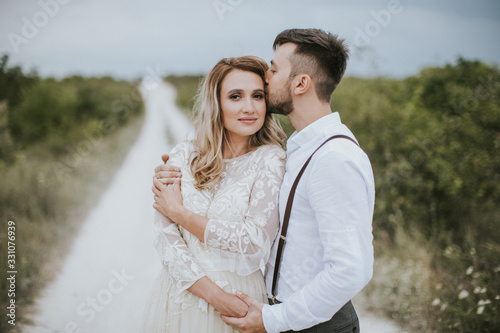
(248, 106)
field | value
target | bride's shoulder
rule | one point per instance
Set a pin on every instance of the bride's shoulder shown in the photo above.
(271, 149)
(271, 152)
(181, 153)
(185, 147)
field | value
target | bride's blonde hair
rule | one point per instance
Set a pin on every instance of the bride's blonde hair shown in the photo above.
(207, 165)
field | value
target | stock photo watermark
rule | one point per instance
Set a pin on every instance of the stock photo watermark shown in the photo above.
(11, 272)
(221, 7)
(462, 108)
(88, 310)
(381, 19)
(30, 27)
(75, 156)
(153, 79)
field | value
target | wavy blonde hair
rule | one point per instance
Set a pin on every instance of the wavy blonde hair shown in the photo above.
(207, 163)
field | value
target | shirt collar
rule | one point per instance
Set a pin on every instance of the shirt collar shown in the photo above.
(313, 131)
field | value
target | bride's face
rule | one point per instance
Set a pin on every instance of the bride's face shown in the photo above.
(243, 104)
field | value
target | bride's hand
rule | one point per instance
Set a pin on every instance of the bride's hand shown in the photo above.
(168, 199)
(227, 304)
(230, 305)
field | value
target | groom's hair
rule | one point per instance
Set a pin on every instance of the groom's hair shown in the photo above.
(320, 54)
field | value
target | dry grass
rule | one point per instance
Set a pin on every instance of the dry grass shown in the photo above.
(48, 196)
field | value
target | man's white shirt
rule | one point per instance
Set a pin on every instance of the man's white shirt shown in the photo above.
(328, 254)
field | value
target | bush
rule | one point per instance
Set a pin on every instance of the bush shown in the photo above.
(187, 88)
(60, 141)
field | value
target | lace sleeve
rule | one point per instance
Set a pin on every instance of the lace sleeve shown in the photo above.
(175, 256)
(253, 236)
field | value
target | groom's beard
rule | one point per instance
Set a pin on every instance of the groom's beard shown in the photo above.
(280, 103)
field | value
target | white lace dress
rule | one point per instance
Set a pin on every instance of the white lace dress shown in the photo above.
(243, 221)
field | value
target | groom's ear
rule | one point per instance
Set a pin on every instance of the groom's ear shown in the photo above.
(301, 84)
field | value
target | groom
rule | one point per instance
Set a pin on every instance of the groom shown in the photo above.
(328, 254)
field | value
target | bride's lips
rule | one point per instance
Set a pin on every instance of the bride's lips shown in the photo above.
(247, 120)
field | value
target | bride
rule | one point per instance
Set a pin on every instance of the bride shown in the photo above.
(214, 230)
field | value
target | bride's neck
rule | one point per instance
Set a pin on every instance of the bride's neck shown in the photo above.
(232, 148)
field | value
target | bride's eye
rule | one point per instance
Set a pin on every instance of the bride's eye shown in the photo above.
(234, 97)
(258, 96)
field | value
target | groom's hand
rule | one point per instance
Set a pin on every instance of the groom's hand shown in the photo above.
(167, 174)
(252, 322)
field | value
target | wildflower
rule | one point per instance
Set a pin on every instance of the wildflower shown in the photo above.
(473, 251)
(448, 252)
(469, 270)
(497, 297)
(496, 269)
(483, 302)
(479, 290)
(436, 302)
(444, 306)
(463, 294)
(480, 310)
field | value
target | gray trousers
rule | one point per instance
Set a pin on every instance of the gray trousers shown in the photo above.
(344, 321)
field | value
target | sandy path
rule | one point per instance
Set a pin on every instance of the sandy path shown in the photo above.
(105, 280)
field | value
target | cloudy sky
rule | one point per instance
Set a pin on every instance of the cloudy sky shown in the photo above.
(129, 38)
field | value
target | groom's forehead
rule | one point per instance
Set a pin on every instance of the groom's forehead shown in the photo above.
(283, 53)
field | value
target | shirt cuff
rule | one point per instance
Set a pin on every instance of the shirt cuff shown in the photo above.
(274, 319)
(207, 233)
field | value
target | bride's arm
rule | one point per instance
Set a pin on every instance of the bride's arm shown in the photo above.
(222, 301)
(260, 224)
(168, 201)
(182, 266)
(180, 263)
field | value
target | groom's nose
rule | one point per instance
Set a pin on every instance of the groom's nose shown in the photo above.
(268, 75)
